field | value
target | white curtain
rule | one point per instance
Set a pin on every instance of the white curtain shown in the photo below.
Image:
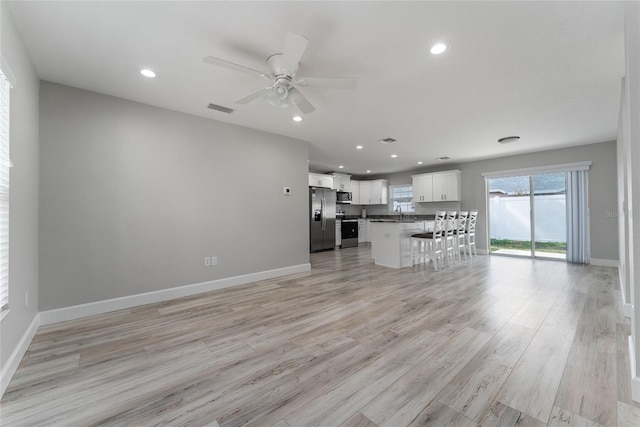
(578, 217)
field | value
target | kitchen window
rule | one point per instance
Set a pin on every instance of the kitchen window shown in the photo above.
(4, 190)
(402, 197)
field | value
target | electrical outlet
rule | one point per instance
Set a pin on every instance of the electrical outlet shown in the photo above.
(214, 260)
(207, 262)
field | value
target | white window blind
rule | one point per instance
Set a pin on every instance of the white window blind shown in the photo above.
(402, 196)
(4, 190)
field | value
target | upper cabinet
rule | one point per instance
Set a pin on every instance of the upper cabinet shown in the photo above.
(320, 180)
(423, 188)
(355, 192)
(446, 186)
(437, 187)
(374, 192)
(379, 192)
(341, 182)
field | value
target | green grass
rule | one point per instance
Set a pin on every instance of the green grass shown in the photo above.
(524, 245)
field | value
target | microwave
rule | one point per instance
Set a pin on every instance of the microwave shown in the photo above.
(343, 197)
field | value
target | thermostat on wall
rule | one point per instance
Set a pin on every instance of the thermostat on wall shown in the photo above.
(286, 191)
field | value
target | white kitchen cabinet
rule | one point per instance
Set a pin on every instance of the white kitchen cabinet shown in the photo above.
(355, 192)
(362, 230)
(437, 187)
(320, 180)
(422, 187)
(367, 231)
(365, 193)
(338, 232)
(341, 182)
(379, 192)
(375, 192)
(446, 186)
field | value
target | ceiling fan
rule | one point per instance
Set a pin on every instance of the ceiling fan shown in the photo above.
(283, 68)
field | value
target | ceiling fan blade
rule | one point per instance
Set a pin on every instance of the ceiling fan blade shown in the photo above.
(300, 101)
(235, 67)
(294, 47)
(253, 95)
(328, 82)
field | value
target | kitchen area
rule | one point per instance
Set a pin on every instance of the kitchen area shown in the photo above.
(346, 213)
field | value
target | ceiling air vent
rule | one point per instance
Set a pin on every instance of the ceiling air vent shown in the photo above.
(508, 139)
(444, 158)
(220, 108)
(387, 141)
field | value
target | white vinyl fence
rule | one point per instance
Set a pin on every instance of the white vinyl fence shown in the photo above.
(510, 218)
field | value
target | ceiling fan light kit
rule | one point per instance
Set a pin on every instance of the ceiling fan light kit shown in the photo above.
(283, 68)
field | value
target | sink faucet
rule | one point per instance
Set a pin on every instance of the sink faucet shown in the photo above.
(399, 209)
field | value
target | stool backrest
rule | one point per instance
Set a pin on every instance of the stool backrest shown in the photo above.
(462, 222)
(471, 222)
(438, 225)
(450, 223)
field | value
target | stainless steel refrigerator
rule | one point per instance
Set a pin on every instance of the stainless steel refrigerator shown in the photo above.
(322, 213)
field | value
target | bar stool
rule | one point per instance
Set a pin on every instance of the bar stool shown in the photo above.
(428, 246)
(448, 236)
(461, 235)
(470, 234)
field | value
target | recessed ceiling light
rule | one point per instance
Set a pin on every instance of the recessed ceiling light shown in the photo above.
(148, 73)
(508, 139)
(341, 167)
(359, 147)
(368, 171)
(297, 118)
(393, 156)
(419, 163)
(439, 48)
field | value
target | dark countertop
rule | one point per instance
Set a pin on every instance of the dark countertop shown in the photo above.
(405, 218)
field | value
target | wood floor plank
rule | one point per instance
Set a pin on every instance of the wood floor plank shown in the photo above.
(403, 400)
(501, 415)
(588, 386)
(563, 418)
(439, 414)
(531, 388)
(347, 343)
(358, 420)
(473, 390)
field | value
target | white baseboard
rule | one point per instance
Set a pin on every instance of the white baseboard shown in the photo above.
(90, 309)
(18, 353)
(627, 309)
(635, 380)
(604, 262)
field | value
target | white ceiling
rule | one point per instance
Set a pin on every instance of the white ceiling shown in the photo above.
(546, 71)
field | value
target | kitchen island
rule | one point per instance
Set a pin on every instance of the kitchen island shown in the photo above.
(391, 241)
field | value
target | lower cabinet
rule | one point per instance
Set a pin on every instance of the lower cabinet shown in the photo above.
(338, 232)
(362, 231)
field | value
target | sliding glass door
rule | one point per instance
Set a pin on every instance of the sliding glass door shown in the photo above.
(510, 215)
(527, 215)
(550, 215)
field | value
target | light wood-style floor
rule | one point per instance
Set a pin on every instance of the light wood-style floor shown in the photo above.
(495, 341)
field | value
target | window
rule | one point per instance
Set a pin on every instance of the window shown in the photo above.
(402, 196)
(4, 190)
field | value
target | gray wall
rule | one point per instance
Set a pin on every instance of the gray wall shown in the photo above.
(133, 197)
(602, 189)
(23, 202)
